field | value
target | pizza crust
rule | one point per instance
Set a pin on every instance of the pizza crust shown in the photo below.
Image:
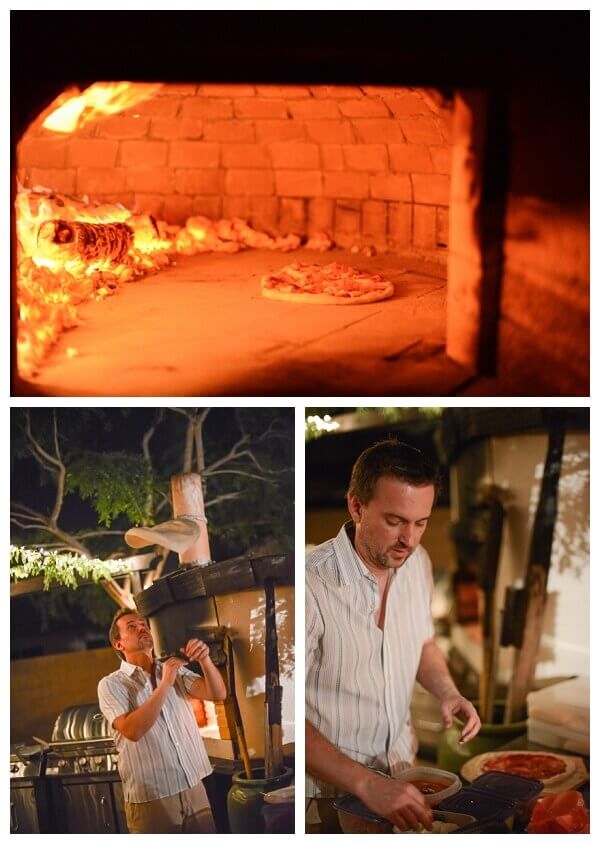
(475, 766)
(326, 299)
(287, 284)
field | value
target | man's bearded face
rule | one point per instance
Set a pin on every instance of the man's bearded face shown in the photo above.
(390, 526)
(135, 633)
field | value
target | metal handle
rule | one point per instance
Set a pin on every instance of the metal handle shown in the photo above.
(103, 802)
(14, 821)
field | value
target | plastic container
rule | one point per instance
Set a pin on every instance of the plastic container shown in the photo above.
(558, 737)
(452, 782)
(483, 805)
(487, 827)
(445, 817)
(522, 790)
(355, 818)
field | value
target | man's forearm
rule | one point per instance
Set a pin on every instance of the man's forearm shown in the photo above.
(211, 686)
(433, 673)
(325, 762)
(136, 724)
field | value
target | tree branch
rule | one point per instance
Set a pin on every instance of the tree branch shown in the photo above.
(148, 506)
(225, 497)
(21, 512)
(232, 454)
(15, 521)
(199, 441)
(188, 451)
(244, 475)
(36, 447)
(253, 459)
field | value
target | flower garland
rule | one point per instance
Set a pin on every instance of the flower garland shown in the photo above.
(63, 568)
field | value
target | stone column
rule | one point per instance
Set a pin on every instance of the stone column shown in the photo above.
(477, 210)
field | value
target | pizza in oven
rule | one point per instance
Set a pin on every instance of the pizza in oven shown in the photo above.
(332, 284)
(549, 768)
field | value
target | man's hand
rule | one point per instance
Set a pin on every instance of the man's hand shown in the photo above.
(196, 650)
(170, 670)
(399, 802)
(465, 712)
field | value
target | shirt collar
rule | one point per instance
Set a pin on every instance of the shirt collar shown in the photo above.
(350, 566)
(129, 668)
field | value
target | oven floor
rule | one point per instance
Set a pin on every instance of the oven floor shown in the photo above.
(202, 328)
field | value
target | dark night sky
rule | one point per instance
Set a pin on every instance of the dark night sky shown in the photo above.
(124, 435)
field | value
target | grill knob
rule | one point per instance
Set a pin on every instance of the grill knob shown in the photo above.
(82, 761)
(14, 768)
(62, 763)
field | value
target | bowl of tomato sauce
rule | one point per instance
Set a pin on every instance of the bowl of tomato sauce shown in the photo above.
(434, 784)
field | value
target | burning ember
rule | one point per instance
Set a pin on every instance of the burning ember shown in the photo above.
(71, 250)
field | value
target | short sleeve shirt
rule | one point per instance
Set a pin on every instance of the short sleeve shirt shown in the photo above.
(171, 756)
(360, 679)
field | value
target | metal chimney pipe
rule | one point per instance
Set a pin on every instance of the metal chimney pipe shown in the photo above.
(188, 502)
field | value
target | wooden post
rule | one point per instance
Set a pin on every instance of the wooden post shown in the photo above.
(537, 574)
(273, 691)
(188, 502)
(488, 573)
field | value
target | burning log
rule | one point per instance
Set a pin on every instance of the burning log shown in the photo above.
(87, 241)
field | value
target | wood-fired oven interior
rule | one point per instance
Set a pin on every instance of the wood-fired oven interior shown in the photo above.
(469, 194)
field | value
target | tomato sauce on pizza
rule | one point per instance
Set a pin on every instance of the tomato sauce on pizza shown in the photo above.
(537, 766)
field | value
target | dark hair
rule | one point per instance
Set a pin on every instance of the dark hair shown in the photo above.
(395, 459)
(114, 634)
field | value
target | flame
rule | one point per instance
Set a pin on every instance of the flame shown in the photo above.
(99, 100)
(63, 263)
(53, 280)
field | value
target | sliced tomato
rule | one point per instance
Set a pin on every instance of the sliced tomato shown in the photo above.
(541, 809)
(565, 802)
(560, 813)
(542, 827)
(568, 824)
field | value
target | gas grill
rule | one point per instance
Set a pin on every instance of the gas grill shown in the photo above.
(81, 772)
(28, 791)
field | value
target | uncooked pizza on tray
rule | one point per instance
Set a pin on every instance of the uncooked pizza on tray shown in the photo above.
(549, 768)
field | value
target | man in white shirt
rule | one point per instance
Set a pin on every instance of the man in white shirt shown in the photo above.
(369, 637)
(162, 759)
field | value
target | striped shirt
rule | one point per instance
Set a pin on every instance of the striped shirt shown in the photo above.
(170, 757)
(359, 679)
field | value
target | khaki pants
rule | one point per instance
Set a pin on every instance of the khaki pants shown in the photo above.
(321, 816)
(188, 811)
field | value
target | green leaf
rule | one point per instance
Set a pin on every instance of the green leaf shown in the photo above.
(116, 483)
(61, 568)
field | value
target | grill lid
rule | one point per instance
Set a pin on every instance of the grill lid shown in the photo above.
(80, 722)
